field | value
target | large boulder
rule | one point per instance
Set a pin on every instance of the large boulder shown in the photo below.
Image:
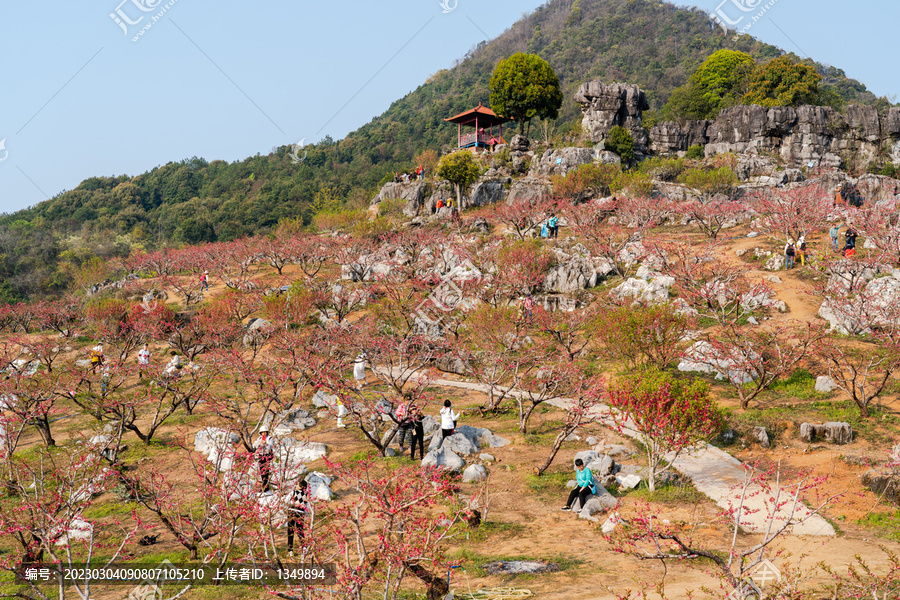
(832, 432)
(320, 486)
(604, 106)
(703, 357)
(474, 473)
(825, 384)
(655, 291)
(572, 276)
(443, 457)
(561, 161)
(528, 189)
(286, 422)
(413, 193)
(486, 192)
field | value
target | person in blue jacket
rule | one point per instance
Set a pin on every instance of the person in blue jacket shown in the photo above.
(584, 485)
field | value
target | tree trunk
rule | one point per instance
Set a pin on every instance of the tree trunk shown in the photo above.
(557, 444)
(437, 585)
(43, 426)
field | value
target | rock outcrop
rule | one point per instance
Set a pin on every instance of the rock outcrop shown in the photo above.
(605, 106)
(801, 135)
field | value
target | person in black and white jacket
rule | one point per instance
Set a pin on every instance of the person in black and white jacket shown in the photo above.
(298, 506)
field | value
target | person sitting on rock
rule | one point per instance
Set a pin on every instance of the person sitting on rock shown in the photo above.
(584, 485)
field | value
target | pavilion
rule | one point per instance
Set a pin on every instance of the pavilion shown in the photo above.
(483, 120)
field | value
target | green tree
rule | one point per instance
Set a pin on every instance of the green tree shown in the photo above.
(461, 169)
(783, 82)
(621, 142)
(721, 76)
(718, 83)
(524, 86)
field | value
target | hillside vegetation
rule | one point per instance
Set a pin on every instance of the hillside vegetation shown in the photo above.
(653, 44)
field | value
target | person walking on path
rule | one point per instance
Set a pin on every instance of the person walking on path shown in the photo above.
(265, 455)
(528, 307)
(204, 281)
(359, 370)
(584, 485)
(298, 506)
(143, 359)
(418, 434)
(801, 250)
(553, 225)
(448, 420)
(833, 233)
(789, 253)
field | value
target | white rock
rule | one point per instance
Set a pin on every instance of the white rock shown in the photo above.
(486, 457)
(628, 482)
(444, 458)
(610, 524)
(825, 384)
(474, 473)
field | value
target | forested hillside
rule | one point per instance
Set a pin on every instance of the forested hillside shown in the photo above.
(650, 43)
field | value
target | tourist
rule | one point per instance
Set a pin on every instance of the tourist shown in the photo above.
(801, 250)
(553, 225)
(439, 205)
(143, 358)
(528, 307)
(584, 485)
(359, 370)
(204, 281)
(173, 369)
(298, 506)
(850, 236)
(448, 420)
(418, 435)
(96, 357)
(265, 455)
(789, 252)
(405, 422)
(833, 233)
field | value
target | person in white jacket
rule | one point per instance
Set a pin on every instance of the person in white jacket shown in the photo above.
(448, 420)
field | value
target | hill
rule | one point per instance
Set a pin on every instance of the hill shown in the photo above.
(653, 44)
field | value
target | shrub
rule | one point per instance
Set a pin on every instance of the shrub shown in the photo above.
(664, 169)
(586, 179)
(695, 152)
(621, 142)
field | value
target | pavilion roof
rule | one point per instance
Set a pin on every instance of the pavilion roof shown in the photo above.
(486, 117)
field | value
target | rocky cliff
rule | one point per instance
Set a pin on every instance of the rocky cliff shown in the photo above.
(801, 135)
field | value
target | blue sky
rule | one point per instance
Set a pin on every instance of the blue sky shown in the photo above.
(227, 80)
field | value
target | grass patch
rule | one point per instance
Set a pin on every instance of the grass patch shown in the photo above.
(801, 385)
(548, 483)
(885, 525)
(108, 509)
(496, 530)
(473, 562)
(361, 455)
(676, 494)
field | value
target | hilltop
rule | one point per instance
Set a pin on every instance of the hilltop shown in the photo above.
(649, 43)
